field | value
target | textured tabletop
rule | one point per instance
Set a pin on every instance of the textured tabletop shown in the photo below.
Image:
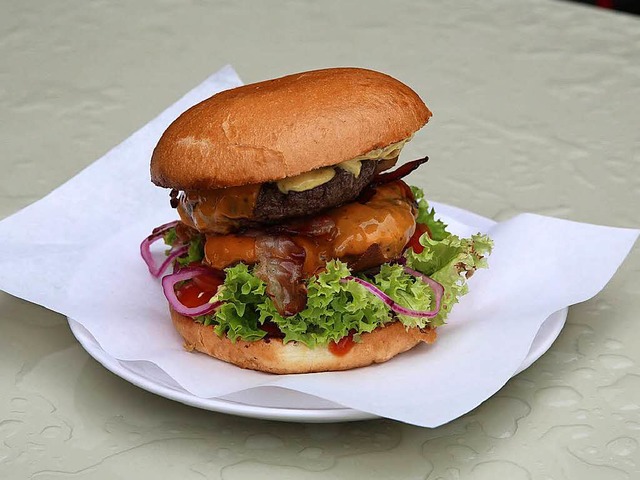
(535, 109)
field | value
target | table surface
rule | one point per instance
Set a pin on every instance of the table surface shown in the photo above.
(535, 109)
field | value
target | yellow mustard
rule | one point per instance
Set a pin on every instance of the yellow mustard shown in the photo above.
(315, 178)
(352, 166)
(306, 181)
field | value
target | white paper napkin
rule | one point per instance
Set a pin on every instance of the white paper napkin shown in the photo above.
(81, 244)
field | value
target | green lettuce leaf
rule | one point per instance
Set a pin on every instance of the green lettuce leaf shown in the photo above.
(450, 262)
(195, 252)
(244, 298)
(196, 247)
(334, 308)
(170, 237)
(446, 258)
(406, 290)
(426, 216)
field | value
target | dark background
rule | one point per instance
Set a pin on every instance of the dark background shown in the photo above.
(631, 6)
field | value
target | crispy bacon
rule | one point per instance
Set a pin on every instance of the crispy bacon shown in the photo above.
(185, 233)
(383, 165)
(280, 263)
(399, 172)
(371, 257)
(388, 177)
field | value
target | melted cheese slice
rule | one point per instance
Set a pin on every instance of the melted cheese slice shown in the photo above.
(217, 210)
(387, 219)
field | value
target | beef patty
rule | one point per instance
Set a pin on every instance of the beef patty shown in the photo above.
(227, 210)
(272, 205)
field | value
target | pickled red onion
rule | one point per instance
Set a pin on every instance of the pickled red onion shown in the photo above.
(187, 273)
(147, 256)
(438, 290)
(164, 227)
(173, 254)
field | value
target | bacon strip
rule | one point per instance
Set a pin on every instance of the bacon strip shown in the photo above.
(280, 263)
(382, 178)
(399, 172)
(371, 257)
(184, 233)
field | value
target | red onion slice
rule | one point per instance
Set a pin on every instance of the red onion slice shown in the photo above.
(168, 284)
(173, 254)
(437, 289)
(163, 228)
(145, 249)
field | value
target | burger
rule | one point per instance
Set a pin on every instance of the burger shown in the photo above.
(298, 249)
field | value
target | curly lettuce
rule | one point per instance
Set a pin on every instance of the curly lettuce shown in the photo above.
(427, 216)
(335, 306)
(195, 253)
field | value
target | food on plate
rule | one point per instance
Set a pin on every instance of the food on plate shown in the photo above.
(298, 249)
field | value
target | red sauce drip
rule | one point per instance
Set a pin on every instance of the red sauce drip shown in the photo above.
(343, 346)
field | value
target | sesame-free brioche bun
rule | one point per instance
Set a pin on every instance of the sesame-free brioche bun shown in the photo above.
(273, 356)
(280, 128)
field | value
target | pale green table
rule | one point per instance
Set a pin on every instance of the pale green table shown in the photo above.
(536, 109)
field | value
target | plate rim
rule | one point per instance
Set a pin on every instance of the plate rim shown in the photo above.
(555, 322)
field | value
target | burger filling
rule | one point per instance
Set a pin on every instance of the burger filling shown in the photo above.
(372, 252)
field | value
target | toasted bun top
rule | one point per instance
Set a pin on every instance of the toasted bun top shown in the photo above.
(280, 128)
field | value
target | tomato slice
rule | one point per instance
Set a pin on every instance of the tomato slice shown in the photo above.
(200, 289)
(190, 295)
(209, 282)
(414, 241)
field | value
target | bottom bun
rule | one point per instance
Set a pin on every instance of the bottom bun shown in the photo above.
(271, 355)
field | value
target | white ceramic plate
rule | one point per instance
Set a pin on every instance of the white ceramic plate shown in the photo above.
(270, 403)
